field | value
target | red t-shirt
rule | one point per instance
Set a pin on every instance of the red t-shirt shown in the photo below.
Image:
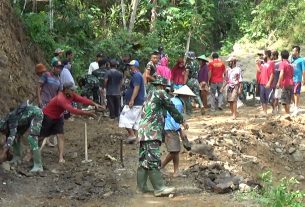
(288, 74)
(266, 70)
(217, 69)
(178, 74)
(60, 103)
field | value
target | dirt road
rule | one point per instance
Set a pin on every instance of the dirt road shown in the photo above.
(243, 148)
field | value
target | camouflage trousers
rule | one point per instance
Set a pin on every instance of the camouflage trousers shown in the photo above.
(193, 84)
(36, 116)
(150, 155)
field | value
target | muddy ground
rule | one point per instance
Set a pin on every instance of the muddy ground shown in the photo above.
(222, 148)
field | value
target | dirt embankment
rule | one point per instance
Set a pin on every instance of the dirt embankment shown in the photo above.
(18, 57)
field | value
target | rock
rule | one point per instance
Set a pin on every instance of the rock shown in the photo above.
(288, 168)
(277, 144)
(108, 194)
(278, 150)
(234, 131)
(229, 142)
(244, 188)
(301, 178)
(54, 171)
(202, 149)
(6, 166)
(209, 183)
(171, 195)
(74, 155)
(222, 188)
(302, 147)
(292, 150)
(298, 156)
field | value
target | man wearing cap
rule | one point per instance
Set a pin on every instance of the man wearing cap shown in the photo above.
(192, 68)
(53, 122)
(203, 79)
(94, 65)
(234, 83)
(172, 130)
(133, 102)
(57, 55)
(113, 83)
(14, 125)
(150, 137)
(49, 84)
(217, 71)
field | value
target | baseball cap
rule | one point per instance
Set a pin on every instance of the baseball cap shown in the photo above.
(134, 63)
(58, 64)
(58, 50)
(69, 85)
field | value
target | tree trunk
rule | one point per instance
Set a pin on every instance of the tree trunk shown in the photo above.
(133, 14)
(51, 15)
(123, 14)
(24, 5)
(187, 48)
(34, 8)
(153, 17)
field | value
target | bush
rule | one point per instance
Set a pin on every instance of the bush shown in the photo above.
(281, 194)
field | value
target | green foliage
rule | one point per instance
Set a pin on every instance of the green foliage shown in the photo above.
(88, 27)
(38, 30)
(281, 194)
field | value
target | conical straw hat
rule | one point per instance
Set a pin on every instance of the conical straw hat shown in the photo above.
(184, 90)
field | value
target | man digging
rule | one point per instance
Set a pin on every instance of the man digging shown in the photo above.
(150, 137)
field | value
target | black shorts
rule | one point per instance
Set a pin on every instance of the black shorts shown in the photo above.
(51, 126)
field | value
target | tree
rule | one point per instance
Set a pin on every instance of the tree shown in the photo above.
(135, 4)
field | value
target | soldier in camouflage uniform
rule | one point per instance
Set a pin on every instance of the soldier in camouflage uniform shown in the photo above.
(150, 137)
(89, 84)
(192, 68)
(15, 124)
(151, 71)
(100, 75)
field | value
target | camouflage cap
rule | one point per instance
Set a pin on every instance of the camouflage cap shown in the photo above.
(159, 81)
(190, 55)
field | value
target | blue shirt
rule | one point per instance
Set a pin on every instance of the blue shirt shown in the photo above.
(136, 80)
(298, 66)
(170, 123)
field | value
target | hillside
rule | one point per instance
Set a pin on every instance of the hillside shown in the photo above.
(18, 57)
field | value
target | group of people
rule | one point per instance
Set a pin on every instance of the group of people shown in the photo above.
(56, 91)
(280, 80)
(149, 105)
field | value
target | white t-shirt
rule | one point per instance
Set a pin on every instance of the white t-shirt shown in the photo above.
(234, 76)
(92, 67)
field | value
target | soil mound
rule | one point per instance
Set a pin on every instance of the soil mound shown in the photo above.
(18, 57)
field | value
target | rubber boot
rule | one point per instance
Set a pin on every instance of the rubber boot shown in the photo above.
(37, 162)
(157, 181)
(17, 153)
(142, 175)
